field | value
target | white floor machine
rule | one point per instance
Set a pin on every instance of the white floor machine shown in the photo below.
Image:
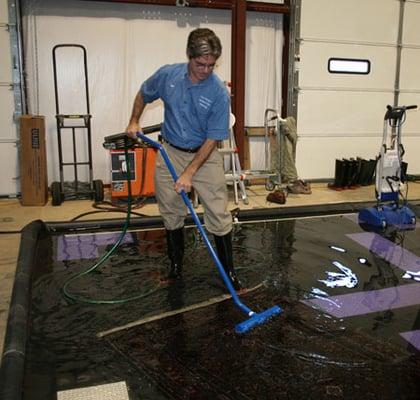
(389, 181)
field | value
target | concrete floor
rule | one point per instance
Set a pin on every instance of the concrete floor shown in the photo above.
(14, 216)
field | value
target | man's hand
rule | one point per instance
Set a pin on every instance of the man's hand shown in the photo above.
(132, 129)
(184, 182)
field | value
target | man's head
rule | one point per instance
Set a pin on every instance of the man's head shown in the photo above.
(203, 50)
(203, 41)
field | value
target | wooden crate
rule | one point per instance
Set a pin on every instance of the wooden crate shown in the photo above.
(33, 161)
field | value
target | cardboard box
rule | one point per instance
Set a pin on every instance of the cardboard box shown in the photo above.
(33, 161)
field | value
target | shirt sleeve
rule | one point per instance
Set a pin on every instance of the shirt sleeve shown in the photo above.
(151, 88)
(218, 121)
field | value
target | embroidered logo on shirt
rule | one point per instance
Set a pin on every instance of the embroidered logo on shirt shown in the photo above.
(204, 102)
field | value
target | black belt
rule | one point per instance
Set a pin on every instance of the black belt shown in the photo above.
(190, 150)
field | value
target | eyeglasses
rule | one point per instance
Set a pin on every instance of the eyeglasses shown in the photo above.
(200, 65)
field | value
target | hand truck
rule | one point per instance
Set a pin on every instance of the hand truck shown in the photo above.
(62, 190)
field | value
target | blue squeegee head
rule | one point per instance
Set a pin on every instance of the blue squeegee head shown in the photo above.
(257, 319)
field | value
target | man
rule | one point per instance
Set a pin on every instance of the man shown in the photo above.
(196, 117)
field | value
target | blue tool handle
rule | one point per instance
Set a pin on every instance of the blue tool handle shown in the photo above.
(198, 223)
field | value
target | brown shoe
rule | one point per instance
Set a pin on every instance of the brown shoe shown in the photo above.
(299, 187)
(278, 196)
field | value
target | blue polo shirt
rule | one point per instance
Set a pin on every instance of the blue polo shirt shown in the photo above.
(194, 112)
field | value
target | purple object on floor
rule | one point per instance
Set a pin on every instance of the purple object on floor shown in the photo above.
(387, 250)
(413, 337)
(77, 247)
(348, 305)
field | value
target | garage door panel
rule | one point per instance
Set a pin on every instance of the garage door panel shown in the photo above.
(3, 10)
(316, 156)
(411, 156)
(9, 168)
(411, 125)
(335, 114)
(410, 77)
(356, 20)
(5, 64)
(314, 68)
(411, 24)
(8, 129)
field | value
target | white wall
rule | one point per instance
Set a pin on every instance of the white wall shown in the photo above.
(342, 115)
(126, 43)
(338, 115)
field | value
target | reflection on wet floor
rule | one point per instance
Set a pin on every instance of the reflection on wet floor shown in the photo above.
(197, 355)
(349, 329)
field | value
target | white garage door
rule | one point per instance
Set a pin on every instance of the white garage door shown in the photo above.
(9, 185)
(341, 115)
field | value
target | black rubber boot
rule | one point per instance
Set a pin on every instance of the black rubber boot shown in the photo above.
(364, 171)
(370, 179)
(340, 175)
(348, 172)
(353, 173)
(358, 177)
(224, 251)
(175, 245)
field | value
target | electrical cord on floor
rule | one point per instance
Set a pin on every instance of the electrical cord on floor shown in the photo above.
(10, 232)
(105, 211)
(120, 206)
(107, 206)
(105, 257)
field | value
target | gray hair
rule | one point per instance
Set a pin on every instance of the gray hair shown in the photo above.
(203, 41)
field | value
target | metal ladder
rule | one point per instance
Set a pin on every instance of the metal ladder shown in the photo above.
(235, 174)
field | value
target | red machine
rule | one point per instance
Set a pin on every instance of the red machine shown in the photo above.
(142, 172)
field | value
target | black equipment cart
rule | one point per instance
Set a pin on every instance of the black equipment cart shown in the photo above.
(62, 190)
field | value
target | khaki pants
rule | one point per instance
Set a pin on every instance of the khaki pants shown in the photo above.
(288, 141)
(210, 184)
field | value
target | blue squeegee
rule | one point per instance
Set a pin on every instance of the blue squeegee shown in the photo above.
(254, 318)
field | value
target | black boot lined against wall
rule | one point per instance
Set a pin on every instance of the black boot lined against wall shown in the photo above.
(339, 176)
(175, 247)
(351, 173)
(225, 253)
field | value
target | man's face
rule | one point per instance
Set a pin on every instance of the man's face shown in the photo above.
(201, 67)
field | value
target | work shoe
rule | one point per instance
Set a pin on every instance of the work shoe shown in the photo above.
(299, 187)
(278, 196)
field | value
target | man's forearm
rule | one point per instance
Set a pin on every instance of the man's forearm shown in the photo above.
(201, 156)
(138, 108)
